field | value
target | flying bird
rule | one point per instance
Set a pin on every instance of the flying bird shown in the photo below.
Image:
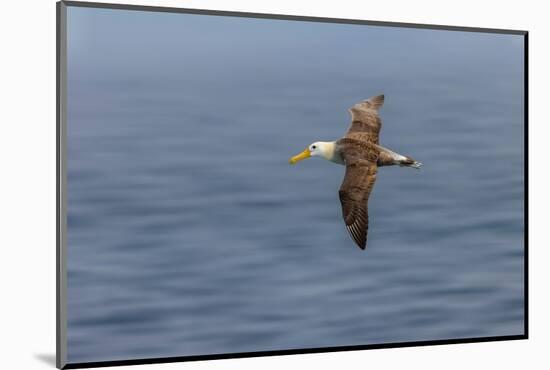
(360, 152)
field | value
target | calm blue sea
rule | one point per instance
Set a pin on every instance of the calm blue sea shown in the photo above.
(189, 233)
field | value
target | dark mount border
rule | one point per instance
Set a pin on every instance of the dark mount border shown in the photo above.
(221, 356)
(61, 185)
(225, 13)
(61, 345)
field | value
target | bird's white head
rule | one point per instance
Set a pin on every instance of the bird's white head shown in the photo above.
(317, 149)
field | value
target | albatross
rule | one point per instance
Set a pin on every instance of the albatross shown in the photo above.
(360, 152)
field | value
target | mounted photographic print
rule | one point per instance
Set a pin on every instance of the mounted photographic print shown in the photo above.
(236, 184)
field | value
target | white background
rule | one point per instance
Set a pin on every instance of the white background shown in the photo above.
(27, 204)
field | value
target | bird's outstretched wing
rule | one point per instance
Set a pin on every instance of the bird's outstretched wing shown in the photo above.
(361, 169)
(365, 122)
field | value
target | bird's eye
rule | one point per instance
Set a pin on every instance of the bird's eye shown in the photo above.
(313, 147)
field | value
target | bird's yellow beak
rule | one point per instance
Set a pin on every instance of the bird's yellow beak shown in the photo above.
(303, 155)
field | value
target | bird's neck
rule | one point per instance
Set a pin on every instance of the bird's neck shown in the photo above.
(330, 153)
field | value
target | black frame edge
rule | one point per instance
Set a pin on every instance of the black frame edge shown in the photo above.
(149, 361)
(58, 317)
(60, 270)
(287, 17)
(526, 183)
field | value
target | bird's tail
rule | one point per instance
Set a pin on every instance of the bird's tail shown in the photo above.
(409, 162)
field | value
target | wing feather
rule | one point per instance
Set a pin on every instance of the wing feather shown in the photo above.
(354, 195)
(365, 121)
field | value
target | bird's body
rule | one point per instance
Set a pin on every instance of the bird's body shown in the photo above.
(360, 152)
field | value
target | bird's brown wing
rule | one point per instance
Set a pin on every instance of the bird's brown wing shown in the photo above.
(361, 169)
(365, 122)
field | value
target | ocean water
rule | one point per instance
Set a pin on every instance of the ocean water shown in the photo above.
(189, 233)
